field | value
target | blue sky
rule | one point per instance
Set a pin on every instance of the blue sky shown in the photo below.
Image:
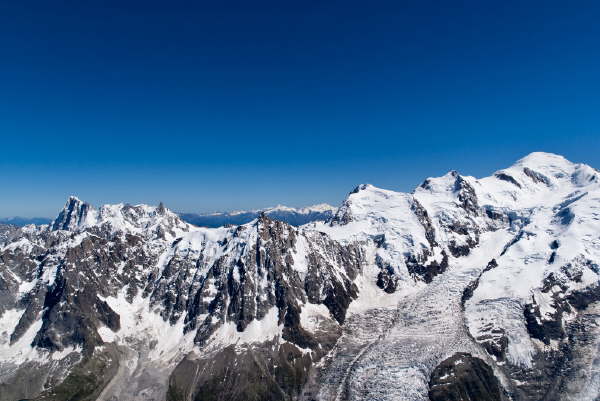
(248, 104)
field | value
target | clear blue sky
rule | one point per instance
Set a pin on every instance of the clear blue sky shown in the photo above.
(232, 105)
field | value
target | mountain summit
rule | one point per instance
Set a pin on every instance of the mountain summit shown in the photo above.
(464, 289)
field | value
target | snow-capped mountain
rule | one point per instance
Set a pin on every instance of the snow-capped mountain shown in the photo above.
(464, 289)
(290, 215)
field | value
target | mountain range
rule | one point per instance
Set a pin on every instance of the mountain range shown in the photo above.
(23, 221)
(290, 215)
(464, 289)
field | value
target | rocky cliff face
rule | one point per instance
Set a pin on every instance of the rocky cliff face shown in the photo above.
(7, 232)
(130, 302)
(462, 378)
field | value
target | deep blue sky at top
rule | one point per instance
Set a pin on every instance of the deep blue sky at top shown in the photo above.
(222, 105)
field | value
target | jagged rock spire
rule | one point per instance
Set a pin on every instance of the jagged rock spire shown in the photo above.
(73, 214)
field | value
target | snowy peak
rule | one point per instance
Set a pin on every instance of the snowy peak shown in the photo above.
(320, 208)
(362, 187)
(448, 185)
(545, 162)
(535, 180)
(551, 170)
(537, 168)
(584, 175)
(445, 193)
(140, 219)
(366, 202)
(74, 214)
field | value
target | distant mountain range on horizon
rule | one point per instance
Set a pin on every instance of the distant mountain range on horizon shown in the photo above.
(290, 215)
(23, 221)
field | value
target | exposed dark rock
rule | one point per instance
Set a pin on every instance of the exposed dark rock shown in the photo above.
(537, 177)
(543, 380)
(463, 377)
(426, 184)
(7, 233)
(425, 221)
(494, 213)
(565, 216)
(257, 373)
(513, 241)
(387, 279)
(549, 326)
(581, 299)
(574, 197)
(426, 272)
(74, 212)
(470, 289)
(495, 342)
(544, 328)
(294, 332)
(507, 178)
(86, 380)
(466, 195)
(469, 238)
(459, 250)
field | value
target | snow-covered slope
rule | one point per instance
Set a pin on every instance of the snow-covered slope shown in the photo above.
(529, 306)
(522, 276)
(470, 283)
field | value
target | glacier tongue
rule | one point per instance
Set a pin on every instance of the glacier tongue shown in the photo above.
(388, 353)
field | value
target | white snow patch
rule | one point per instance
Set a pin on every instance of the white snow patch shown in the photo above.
(313, 315)
(21, 351)
(257, 331)
(140, 324)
